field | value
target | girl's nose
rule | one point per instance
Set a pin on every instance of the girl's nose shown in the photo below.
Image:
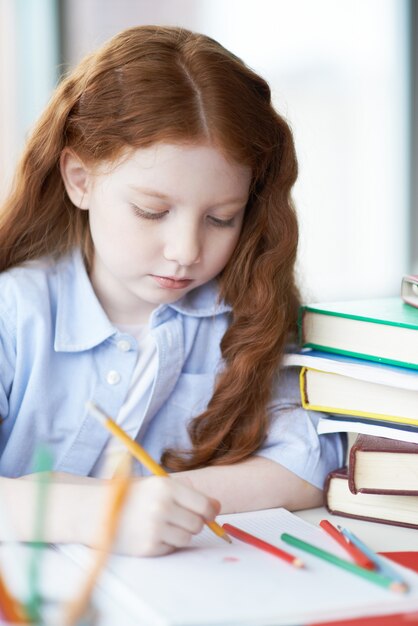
(184, 246)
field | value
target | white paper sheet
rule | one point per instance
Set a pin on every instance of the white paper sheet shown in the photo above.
(213, 583)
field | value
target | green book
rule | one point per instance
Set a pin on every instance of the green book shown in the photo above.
(383, 329)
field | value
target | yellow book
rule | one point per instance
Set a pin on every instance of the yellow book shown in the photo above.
(348, 386)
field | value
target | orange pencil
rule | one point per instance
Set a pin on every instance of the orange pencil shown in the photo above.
(359, 557)
(120, 484)
(10, 609)
(142, 456)
(262, 545)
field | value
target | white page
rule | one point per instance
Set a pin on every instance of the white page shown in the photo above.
(372, 371)
(213, 583)
(326, 425)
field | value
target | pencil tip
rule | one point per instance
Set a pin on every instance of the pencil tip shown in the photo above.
(227, 538)
(298, 563)
(399, 587)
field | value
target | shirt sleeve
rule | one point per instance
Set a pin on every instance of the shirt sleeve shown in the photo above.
(293, 440)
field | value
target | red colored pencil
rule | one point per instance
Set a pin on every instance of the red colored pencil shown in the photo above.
(359, 557)
(262, 545)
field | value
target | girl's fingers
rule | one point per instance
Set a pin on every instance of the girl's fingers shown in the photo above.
(196, 502)
(190, 522)
(161, 536)
(182, 525)
(175, 536)
(160, 549)
(163, 514)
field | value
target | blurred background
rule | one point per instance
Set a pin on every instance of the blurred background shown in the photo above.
(341, 72)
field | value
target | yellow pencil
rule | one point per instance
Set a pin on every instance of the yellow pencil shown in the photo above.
(142, 456)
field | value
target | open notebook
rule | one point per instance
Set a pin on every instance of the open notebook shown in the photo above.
(216, 584)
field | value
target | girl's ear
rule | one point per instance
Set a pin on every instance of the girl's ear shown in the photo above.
(77, 178)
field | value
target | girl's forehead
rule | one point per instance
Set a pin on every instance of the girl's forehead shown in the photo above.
(163, 152)
(191, 170)
(174, 157)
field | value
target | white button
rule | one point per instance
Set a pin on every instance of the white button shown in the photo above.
(123, 345)
(113, 377)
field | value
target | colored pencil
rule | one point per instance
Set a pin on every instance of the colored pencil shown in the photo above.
(42, 466)
(372, 576)
(262, 545)
(380, 564)
(359, 557)
(120, 486)
(10, 609)
(142, 456)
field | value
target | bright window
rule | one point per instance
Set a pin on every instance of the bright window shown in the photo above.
(339, 73)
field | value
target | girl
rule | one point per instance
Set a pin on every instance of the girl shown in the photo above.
(147, 254)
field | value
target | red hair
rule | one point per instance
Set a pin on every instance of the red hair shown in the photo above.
(154, 84)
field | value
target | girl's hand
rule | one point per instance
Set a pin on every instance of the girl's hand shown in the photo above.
(162, 514)
(159, 515)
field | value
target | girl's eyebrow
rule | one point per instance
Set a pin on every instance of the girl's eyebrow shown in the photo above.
(149, 192)
(146, 191)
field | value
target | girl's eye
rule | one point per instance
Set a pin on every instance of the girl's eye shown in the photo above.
(148, 215)
(158, 215)
(221, 223)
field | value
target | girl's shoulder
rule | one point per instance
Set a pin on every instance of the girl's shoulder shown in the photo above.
(29, 274)
(30, 284)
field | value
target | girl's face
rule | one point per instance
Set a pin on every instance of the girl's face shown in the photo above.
(165, 220)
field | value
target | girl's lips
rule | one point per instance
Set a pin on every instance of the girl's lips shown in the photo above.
(171, 283)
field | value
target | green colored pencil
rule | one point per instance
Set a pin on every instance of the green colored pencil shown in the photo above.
(42, 466)
(370, 575)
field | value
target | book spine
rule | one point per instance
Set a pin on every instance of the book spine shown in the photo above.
(409, 290)
(302, 388)
(352, 467)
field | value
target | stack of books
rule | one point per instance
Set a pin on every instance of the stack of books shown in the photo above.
(359, 363)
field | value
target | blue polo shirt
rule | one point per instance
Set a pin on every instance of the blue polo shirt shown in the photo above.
(58, 349)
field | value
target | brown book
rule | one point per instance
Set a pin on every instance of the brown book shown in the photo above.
(399, 510)
(381, 465)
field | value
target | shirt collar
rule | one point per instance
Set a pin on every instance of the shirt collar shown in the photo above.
(81, 320)
(202, 302)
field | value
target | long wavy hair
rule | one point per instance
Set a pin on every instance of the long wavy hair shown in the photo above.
(154, 84)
